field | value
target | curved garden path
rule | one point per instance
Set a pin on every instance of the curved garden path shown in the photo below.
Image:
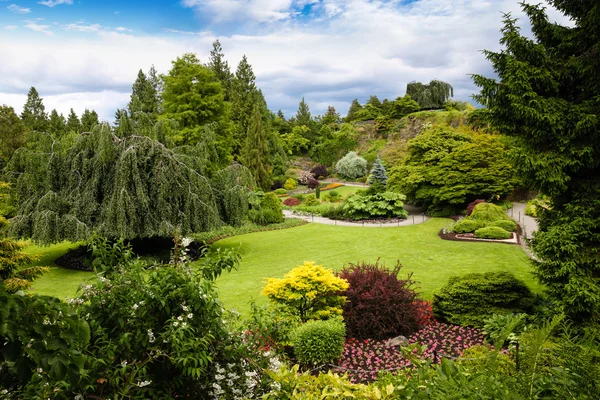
(415, 216)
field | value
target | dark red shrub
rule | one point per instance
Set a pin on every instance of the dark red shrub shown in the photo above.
(277, 184)
(319, 171)
(472, 205)
(379, 305)
(312, 183)
(424, 313)
(291, 202)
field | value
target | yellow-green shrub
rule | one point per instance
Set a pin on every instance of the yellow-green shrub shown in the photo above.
(290, 184)
(309, 291)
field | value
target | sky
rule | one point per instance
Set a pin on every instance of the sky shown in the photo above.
(87, 53)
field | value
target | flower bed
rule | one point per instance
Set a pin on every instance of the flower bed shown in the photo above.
(363, 359)
(332, 186)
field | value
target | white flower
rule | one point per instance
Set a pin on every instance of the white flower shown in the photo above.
(184, 308)
(175, 324)
(185, 242)
(180, 318)
(150, 336)
(39, 370)
(144, 383)
(190, 315)
(123, 363)
(135, 306)
(219, 377)
(183, 324)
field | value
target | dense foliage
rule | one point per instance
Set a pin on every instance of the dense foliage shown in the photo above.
(379, 305)
(492, 232)
(351, 166)
(378, 205)
(309, 291)
(469, 299)
(446, 169)
(432, 95)
(12, 259)
(546, 98)
(319, 342)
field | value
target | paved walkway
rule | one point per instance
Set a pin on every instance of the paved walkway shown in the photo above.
(414, 217)
(528, 224)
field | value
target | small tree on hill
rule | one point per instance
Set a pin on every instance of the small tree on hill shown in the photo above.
(378, 173)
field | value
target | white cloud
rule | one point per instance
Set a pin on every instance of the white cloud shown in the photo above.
(52, 3)
(10, 27)
(367, 47)
(18, 10)
(45, 29)
(255, 10)
(123, 29)
(82, 27)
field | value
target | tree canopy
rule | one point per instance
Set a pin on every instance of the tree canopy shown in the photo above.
(546, 98)
(430, 96)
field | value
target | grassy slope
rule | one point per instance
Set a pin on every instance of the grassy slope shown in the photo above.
(431, 260)
(59, 282)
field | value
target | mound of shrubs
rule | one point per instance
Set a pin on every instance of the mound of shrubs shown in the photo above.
(492, 232)
(470, 299)
(319, 342)
(379, 305)
(378, 205)
(269, 211)
(291, 202)
(487, 221)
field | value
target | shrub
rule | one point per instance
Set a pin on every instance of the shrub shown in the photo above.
(299, 196)
(378, 173)
(492, 232)
(379, 205)
(312, 183)
(291, 202)
(280, 191)
(472, 205)
(351, 166)
(308, 291)
(379, 305)
(467, 225)
(311, 200)
(334, 211)
(319, 342)
(472, 298)
(509, 226)
(277, 184)
(319, 172)
(290, 184)
(303, 177)
(488, 212)
(269, 212)
(332, 196)
(531, 209)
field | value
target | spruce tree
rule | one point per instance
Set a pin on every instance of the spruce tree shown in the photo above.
(73, 123)
(374, 101)
(331, 116)
(89, 120)
(378, 173)
(34, 113)
(57, 125)
(546, 98)
(12, 133)
(143, 105)
(303, 114)
(255, 154)
(218, 64)
(355, 108)
(243, 99)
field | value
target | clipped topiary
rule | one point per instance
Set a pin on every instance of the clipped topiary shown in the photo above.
(379, 305)
(509, 226)
(470, 299)
(280, 191)
(319, 342)
(488, 212)
(467, 226)
(492, 232)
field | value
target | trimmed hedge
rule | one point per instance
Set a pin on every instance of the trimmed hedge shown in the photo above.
(470, 299)
(509, 226)
(319, 342)
(492, 232)
(488, 212)
(467, 226)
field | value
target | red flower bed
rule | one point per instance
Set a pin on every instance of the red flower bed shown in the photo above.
(363, 359)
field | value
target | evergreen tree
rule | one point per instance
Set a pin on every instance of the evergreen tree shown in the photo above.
(12, 133)
(546, 98)
(243, 99)
(156, 84)
(255, 154)
(218, 64)
(430, 96)
(355, 107)
(143, 105)
(123, 124)
(303, 114)
(374, 101)
(34, 113)
(378, 173)
(193, 97)
(57, 125)
(331, 116)
(73, 123)
(403, 106)
(89, 120)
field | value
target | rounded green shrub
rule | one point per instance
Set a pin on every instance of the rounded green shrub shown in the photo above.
(280, 191)
(488, 212)
(311, 200)
(290, 184)
(319, 342)
(492, 232)
(467, 226)
(509, 226)
(470, 299)
(351, 166)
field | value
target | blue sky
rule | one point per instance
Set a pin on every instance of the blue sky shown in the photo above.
(86, 54)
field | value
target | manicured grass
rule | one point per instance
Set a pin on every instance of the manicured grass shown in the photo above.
(431, 260)
(59, 282)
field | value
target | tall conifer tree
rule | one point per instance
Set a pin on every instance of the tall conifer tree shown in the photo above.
(244, 96)
(73, 123)
(12, 133)
(255, 153)
(57, 125)
(218, 64)
(34, 113)
(89, 120)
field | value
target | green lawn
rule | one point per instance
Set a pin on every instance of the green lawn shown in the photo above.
(431, 260)
(59, 282)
